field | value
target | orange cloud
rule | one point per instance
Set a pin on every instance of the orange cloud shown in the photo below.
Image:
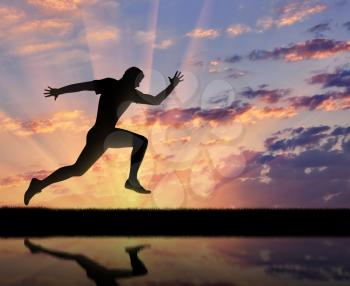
(296, 12)
(10, 15)
(74, 121)
(255, 113)
(102, 34)
(290, 14)
(203, 34)
(334, 104)
(47, 25)
(29, 49)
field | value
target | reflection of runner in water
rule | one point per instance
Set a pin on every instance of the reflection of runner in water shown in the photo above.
(116, 96)
(102, 276)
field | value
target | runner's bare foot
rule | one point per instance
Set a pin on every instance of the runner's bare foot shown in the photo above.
(136, 186)
(33, 189)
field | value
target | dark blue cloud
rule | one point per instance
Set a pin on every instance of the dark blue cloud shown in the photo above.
(341, 131)
(235, 73)
(315, 101)
(221, 98)
(299, 167)
(301, 51)
(319, 29)
(300, 137)
(340, 78)
(233, 59)
(347, 25)
(178, 117)
(267, 95)
(260, 55)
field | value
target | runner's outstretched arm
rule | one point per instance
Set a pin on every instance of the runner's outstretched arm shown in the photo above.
(55, 92)
(158, 99)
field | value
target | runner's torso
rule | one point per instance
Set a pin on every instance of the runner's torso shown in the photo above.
(114, 100)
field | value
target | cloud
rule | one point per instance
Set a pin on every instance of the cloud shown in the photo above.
(165, 44)
(339, 130)
(203, 33)
(247, 112)
(57, 26)
(35, 48)
(74, 121)
(220, 98)
(214, 66)
(194, 62)
(347, 25)
(235, 73)
(29, 36)
(218, 66)
(296, 11)
(322, 138)
(142, 37)
(290, 14)
(339, 78)
(145, 36)
(10, 15)
(233, 59)
(298, 137)
(255, 113)
(265, 23)
(32, 38)
(319, 29)
(57, 5)
(71, 56)
(302, 167)
(178, 117)
(236, 110)
(266, 95)
(102, 34)
(329, 101)
(237, 29)
(310, 49)
(214, 63)
(66, 6)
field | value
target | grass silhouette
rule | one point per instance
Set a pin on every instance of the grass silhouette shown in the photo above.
(19, 222)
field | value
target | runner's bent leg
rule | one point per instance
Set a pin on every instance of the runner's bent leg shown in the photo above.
(120, 138)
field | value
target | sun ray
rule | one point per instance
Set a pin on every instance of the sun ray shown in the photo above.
(195, 43)
(148, 64)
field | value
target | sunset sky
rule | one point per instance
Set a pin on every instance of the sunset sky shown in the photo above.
(261, 119)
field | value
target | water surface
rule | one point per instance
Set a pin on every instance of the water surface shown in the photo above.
(175, 261)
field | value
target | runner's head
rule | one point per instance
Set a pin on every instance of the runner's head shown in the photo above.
(133, 76)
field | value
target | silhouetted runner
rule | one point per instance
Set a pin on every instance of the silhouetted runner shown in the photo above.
(101, 275)
(116, 96)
